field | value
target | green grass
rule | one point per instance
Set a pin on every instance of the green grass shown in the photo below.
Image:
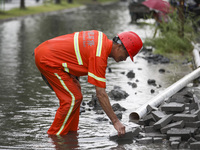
(48, 7)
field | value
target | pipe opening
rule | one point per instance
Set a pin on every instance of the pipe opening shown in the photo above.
(134, 117)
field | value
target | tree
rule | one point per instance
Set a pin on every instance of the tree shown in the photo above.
(57, 1)
(181, 17)
(22, 4)
(70, 1)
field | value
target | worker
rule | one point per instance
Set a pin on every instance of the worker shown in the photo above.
(62, 60)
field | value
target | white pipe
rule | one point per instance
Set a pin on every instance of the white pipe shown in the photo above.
(196, 57)
(156, 101)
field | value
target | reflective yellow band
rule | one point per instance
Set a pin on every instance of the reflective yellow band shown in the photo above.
(99, 46)
(76, 47)
(95, 77)
(72, 104)
(65, 67)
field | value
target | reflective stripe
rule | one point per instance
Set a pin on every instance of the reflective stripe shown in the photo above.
(76, 47)
(95, 77)
(99, 46)
(72, 103)
(65, 67)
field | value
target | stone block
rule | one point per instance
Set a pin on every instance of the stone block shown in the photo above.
(156, 134)
(197, 137)
(195, 145)
(147, 119)
(157, 140)
(163, 121)
(183, 145)
(191, 140)
(149, 129)
(135, 132)
(192, 130)
(146, 140)
(180, 98)
(173, 107)
(128, 136)
(183, 133)
(196, 100)
(193, 106)
(197, 112)
(157, 115)
(175, 138)
(175, 145)
(195, 124)
(151, 108)
(179, 124)
(185, 117)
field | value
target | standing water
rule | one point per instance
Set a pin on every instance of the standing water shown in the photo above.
(28, 106)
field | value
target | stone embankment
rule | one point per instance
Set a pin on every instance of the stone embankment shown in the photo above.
(175, 123)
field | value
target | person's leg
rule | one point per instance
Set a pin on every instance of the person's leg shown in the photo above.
(68, 91)
(69, 94)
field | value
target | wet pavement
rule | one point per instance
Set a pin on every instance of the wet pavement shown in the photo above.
(28, 106)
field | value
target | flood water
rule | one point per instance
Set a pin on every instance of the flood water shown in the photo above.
(28, 106)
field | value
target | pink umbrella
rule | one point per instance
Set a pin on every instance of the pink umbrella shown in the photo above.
(159, 5)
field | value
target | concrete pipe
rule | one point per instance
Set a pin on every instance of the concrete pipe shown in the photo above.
(156, 101)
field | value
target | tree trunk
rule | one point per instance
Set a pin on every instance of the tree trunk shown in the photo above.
(57, 1)
(181, 17)
(22, 4)
(70, 1)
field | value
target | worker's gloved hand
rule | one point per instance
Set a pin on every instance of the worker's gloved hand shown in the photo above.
(120, 128)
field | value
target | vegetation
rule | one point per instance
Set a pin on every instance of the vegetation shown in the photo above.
(47, 7)
(169, 39)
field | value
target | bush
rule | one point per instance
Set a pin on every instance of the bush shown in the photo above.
(169, 39)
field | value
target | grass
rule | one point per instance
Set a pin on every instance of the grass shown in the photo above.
(48, 7)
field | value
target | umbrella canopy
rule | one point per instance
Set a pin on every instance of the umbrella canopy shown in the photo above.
(159, 5)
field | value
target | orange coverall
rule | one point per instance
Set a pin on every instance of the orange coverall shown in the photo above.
(63, 58)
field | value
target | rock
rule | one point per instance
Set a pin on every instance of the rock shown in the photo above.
(151, 82)
(134, 85)
(118, 94)
(130, 74)
(119, 114)
(152, 91)
(95, 103)
(117, 107)
(100, 119)
(161, 70)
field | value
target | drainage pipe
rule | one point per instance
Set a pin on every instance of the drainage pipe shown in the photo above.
(196, 57)
(171, 90)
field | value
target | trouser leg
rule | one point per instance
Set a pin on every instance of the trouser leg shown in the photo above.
(68, 91)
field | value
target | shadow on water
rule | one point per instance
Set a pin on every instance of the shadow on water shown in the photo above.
(28, 106)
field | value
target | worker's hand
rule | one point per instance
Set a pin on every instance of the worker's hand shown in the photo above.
(120, 128)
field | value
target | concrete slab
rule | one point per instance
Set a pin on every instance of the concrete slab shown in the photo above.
(183, 133)
(195, 124)
(179, 124)
(185, 117)
(173, 107)
(195, 145)
(158, 115)
(147, 140)
(163, 122)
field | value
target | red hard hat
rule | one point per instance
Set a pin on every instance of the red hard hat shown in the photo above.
(132, 42)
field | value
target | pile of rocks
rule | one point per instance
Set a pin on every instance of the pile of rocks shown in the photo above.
(176, 122)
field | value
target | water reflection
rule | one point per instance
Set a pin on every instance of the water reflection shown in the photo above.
(69, 141)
